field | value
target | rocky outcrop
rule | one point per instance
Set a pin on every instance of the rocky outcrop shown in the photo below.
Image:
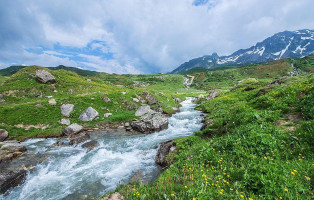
(114, 196)
(163, 151)
(78, 138)
(9, 179)
(143, 110)
(72, 129)
(3, 135)
(91, 144)
(89, 114)
(278, 81)
(45, 77)
(212, 95)
(66, 109)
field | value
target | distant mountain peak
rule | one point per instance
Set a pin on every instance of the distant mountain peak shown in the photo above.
(286, 44)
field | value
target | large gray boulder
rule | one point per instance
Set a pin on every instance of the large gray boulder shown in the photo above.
(89, 114)
(163, 151)
(66, 109)
(150, 122)
(3, 135)
(72, 129)
(142, 110)
(43, 76)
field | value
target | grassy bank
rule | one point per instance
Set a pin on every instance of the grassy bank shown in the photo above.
(258, 145)
(22, 110)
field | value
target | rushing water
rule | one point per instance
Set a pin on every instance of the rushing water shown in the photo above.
(72, 172)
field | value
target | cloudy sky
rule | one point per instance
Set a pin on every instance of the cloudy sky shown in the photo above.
(139, 36)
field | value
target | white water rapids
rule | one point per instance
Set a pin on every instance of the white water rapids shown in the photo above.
(73, 172)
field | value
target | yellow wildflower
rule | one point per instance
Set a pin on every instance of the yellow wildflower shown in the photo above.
(286, 190)
(241, 196)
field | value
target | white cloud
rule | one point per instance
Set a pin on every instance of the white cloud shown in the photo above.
(144, 35)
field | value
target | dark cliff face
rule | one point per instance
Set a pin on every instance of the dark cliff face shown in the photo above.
(287, 44)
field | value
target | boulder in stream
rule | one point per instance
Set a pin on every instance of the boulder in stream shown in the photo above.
(150, 122)
(78, 138)
(90, 145)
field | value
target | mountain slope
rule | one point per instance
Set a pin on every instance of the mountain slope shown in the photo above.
(287, 44)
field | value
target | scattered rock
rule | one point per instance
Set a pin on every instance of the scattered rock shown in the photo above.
(1, 98)
(136, 100)
(123, 93)
(72, 129)
(200, 96)
(114, 196)
(107, 115)
(52, 102)
(49, 97)
(55, 91)
(3, 135)
(142, 110)
(65, 121)
(91, 144)
(278, 81)
(89, 114)
(88, 80)
(212, 95)
(38, 105)
(71, 91)
(66, 109)
(106, 99)
(10, 179)
(39, 95)
(163, 151)
(150, 122)
(13, 147)
(127, 124)
(43, 76)
(78, 138)
(151, 100)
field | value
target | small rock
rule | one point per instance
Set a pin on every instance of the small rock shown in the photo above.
(66, 109)
(49, 97)
(43, 76)
(127, 124)
(1, 98)
(88, 80)
(151, 100)
(52, 102)
(38, 105)
(72, 129)
(91, 144)
(71, 91)
(89, 114)
(114, 196)
(55, 91)
(65, 121)
(123, 93)
(136, 100)
(78, 138)
(107, 115)
(177, 100)
(3, 135)
(106, 99)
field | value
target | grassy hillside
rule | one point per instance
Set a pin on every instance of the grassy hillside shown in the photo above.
(22, 108)
(226, 77)
(258, 145)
